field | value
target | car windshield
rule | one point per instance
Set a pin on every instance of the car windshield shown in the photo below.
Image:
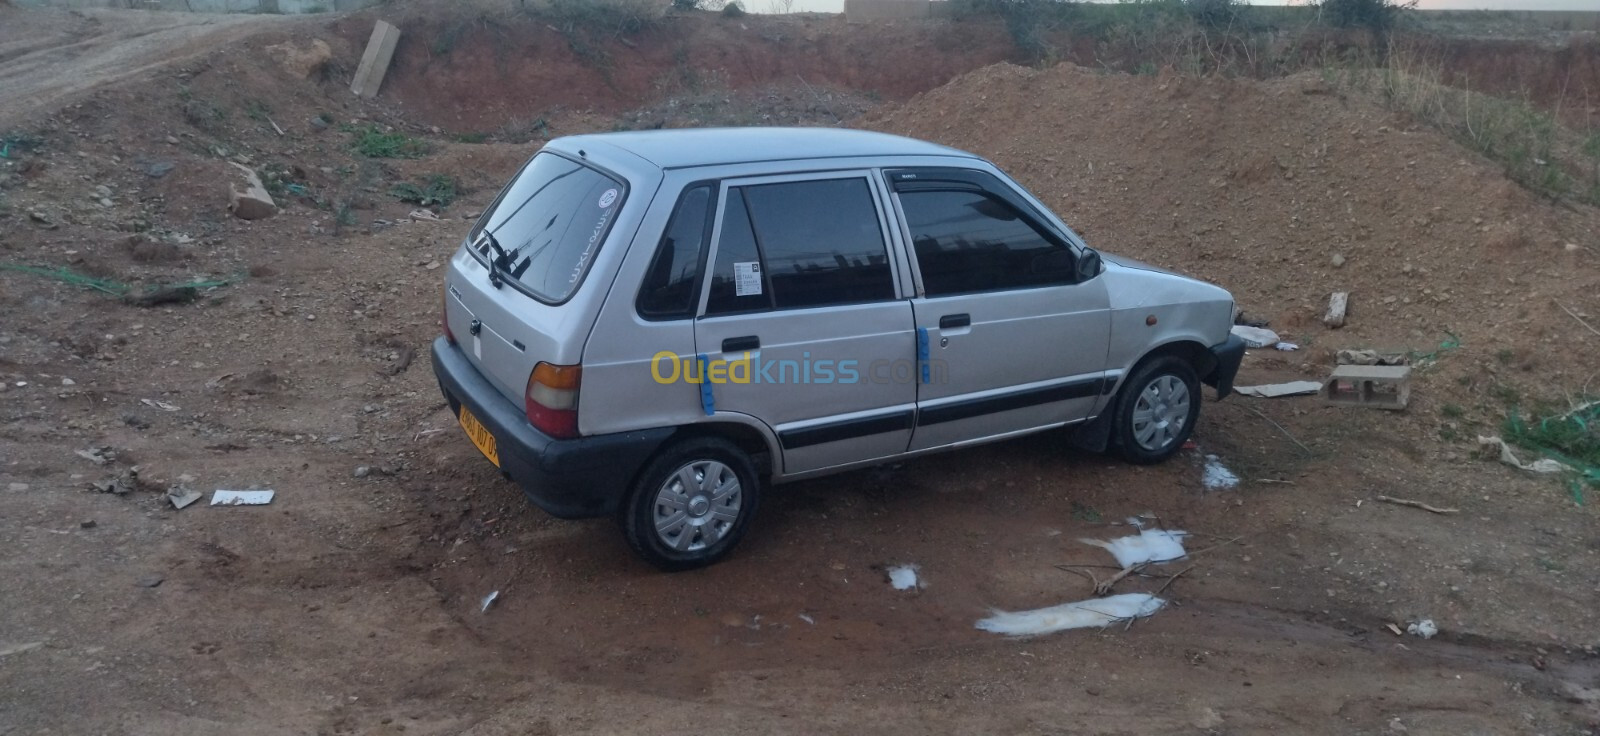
(550, 222)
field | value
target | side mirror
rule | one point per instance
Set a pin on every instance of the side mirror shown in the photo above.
(1089, 265)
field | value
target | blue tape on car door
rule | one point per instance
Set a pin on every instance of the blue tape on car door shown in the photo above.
(922, 354)
(708, 402)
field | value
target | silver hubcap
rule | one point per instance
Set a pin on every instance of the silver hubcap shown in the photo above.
(697, 505)
(1160, 413)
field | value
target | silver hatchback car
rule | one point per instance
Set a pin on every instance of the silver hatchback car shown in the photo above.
(659, 325)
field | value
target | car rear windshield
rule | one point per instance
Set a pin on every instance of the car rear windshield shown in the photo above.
(550, 222)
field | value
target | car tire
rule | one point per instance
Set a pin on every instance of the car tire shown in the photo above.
(1155, 411)
(691, 504)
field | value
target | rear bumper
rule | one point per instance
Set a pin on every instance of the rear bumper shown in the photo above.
(571, 479)
(1228, 356)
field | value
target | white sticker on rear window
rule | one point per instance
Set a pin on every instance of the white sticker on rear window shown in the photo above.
(609, 197)
(747, 278)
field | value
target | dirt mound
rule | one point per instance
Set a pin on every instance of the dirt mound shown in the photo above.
(475, 70)
(1285, 191)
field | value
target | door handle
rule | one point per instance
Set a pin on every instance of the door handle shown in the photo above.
(741, 344)
(952, 321)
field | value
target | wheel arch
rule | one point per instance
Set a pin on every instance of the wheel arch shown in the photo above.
(743, 431)
(1187, 349)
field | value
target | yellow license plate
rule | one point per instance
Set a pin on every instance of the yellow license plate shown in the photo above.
(480, 436)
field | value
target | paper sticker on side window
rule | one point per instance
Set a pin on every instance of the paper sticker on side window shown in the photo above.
(747, 278)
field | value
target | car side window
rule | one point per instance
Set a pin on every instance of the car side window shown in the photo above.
(969, 241)
(800, 244)
(668, 291)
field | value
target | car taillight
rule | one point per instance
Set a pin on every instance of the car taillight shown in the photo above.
(444, 317)
(551, 399)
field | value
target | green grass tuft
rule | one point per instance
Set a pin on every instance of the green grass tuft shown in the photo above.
(373, 142)
(439, 189)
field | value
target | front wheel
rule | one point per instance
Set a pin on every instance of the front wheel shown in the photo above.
(691, 504)
(1156, 410)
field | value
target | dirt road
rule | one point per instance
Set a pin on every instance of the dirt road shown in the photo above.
(48, 57)
(354, 602)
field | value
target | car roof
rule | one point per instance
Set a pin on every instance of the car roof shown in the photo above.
(687, 147)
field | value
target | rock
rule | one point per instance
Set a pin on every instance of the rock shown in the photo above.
(362, 471)
(1207, 719)
(68, 382)
(302, 63)
(172, 141)
(163, 295)
(87, 524)
(1572, 247)
(106, 203)
(1338, 261)
(249, 199)
(102, 191)
(97, 455)
(151, 581)
(157, 169)
(17, 487)
(40, 217)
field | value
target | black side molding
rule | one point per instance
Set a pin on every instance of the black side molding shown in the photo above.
(845, 430)
(1006, 402)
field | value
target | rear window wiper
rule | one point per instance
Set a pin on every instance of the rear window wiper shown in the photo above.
(500, 262)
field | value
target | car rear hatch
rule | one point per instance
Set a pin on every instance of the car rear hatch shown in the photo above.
(508, 286)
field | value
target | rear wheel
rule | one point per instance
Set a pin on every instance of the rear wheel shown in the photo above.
(1156, 410)
(691, 504)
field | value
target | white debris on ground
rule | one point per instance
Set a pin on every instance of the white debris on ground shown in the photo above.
(488, 600)
(1255, 337)
(1095, 612)
(241, 498)
(1542, 465)
(1150, 545)
(1217, 476)
(1275, 390)
(903, 577)
(1424, 628)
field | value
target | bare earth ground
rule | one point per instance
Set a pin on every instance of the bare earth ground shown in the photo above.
(352, 605)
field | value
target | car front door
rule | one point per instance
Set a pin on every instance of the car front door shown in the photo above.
(1012, 340)
(801, 306)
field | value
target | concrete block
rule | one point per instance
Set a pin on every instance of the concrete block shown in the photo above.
(1337, 304)
(248, 199)
(375, 62)
(862, 11)
(1371, 386)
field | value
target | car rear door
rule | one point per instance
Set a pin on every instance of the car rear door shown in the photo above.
(1012, 341)
(803, 319)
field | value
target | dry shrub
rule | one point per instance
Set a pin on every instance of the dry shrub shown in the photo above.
(1534, 149)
